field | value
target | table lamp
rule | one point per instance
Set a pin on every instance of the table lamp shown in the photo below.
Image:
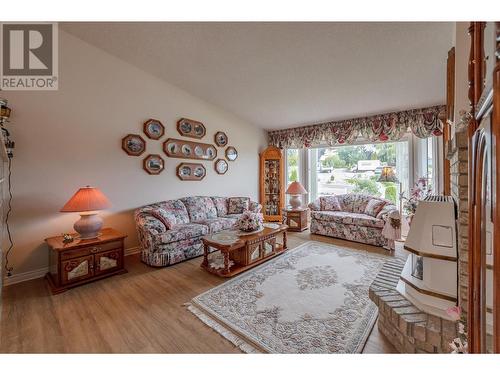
(85, 201)
(388, 175)
(295, 189)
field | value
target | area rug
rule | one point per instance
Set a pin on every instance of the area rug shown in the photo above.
(312, 299)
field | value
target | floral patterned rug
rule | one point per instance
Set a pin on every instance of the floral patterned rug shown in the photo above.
(312, 299)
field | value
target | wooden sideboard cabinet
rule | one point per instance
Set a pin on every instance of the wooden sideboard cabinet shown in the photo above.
(82, 261)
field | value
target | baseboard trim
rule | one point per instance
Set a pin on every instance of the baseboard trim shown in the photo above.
(132, 250)
(37, 274)
(25, 276)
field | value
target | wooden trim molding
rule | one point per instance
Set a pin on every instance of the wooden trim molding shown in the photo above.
(495, 129)
(450, 115)
(482, 105)
(429, 292)
(429, 255)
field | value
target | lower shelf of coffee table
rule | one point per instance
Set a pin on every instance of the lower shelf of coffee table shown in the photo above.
(237, 268)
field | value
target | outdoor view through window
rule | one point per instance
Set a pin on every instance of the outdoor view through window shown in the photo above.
(354, 168)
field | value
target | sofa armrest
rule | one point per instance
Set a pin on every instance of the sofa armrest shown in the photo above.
(315, 206)
(388, 208)
(147, 227)
(255, 207)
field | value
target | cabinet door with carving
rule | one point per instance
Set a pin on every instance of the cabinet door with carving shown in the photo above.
(77, 269)
(108, 261)
(268, 247)
(254, 253)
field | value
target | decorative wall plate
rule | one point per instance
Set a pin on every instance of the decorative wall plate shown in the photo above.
(179, 148)
(221, 166)
(191, 128)
(198, 151)
(210, 153)
(133, 144)
(220, 139)
(172, 147)
(153, 164)
(231, 153)
(186, 150)
(191, 171)
(154, 129)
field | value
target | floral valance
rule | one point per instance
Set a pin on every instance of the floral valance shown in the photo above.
(423, 122)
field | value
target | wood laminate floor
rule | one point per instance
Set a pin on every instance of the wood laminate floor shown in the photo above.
(138, 312)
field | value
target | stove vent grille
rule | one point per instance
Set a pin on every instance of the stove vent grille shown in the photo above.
(438, 198)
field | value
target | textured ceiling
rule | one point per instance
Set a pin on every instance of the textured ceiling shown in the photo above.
(279, 75)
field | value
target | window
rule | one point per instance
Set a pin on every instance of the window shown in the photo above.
(426, 162)
(292, 165)
(357, 168)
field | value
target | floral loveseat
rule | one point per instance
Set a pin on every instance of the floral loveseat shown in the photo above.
(170, 232)
(354, 217)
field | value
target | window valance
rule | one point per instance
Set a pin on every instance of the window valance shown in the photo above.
(423, 122)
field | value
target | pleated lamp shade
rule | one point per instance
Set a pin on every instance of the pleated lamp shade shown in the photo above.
(296, 188)
(86, 199)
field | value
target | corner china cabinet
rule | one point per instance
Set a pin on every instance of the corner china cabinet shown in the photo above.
(483, 317)
(272, 183)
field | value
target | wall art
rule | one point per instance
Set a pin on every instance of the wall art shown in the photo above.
(154, 129)
(134, 144)
(178, 148)
(191, 128)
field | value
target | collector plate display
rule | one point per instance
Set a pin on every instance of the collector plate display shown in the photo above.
(153, 164)
(191, 171)
(133, 144)
(231, 153)
(179, 148)
(221, 166)
(220, 139)
(191, 128)
(154, 129)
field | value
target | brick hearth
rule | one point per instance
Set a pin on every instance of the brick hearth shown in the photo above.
(408, 328)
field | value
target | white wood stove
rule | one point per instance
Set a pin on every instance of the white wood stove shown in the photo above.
(429, 277)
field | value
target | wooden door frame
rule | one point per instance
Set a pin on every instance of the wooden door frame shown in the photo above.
(450, 115)
(495, 129)
(476, 76)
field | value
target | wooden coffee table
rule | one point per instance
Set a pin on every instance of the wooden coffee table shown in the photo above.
(246, 252)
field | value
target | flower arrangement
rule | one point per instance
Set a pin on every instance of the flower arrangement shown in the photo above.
(420, 191)
(249, 221)
(459, 344)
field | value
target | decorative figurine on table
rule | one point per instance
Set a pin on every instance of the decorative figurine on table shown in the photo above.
(67, 238)
(392, 229)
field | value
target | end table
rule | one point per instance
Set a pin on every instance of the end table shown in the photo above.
(83, 261)
(296, 218)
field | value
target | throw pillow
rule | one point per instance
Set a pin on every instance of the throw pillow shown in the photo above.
(237, 205)
(374, 206)
(168, 219)
(220, 205)
(330, 203)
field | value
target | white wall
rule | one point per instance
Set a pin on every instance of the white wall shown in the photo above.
(72, 137)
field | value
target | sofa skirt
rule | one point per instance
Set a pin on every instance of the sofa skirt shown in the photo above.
(351, 232)
(172, 253)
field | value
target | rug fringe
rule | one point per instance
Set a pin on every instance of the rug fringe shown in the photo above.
(221, 330)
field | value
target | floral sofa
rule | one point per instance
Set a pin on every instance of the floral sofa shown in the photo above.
(354, 217)
(171, 231)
